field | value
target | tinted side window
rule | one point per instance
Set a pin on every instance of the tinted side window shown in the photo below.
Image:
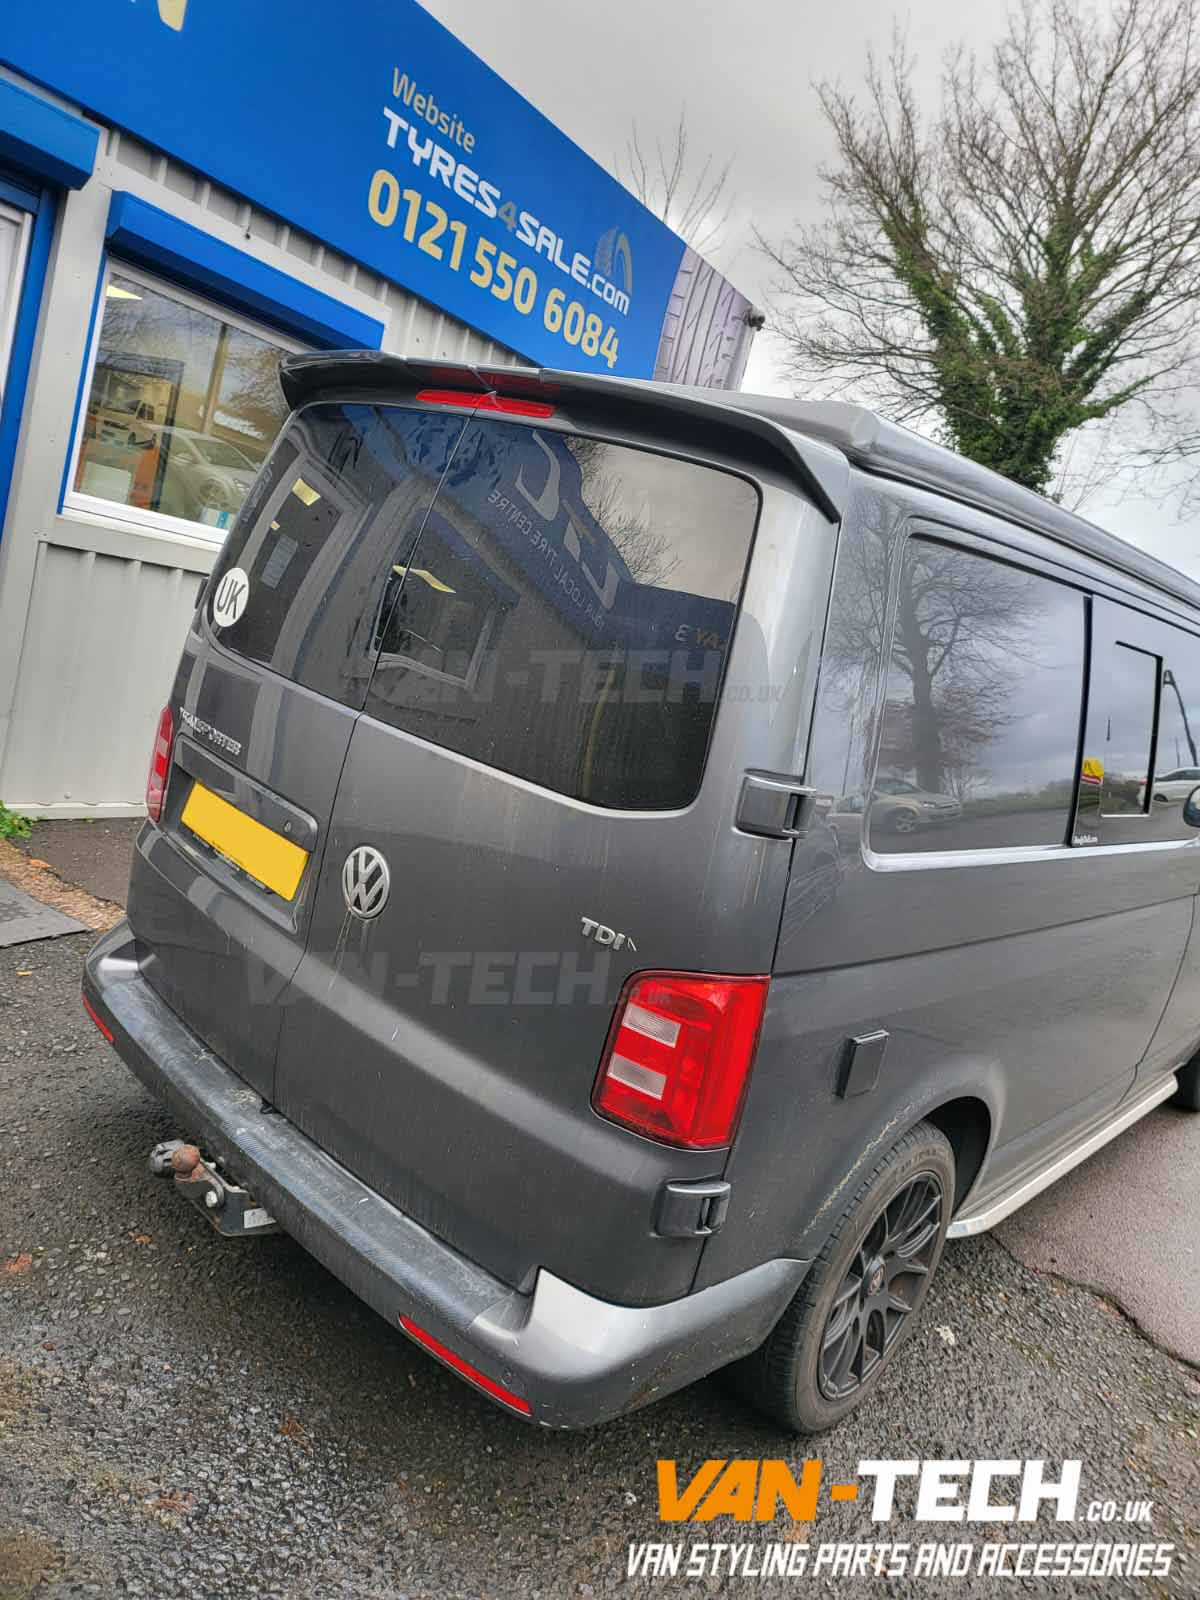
(567, 614)
(979, 731)
(1143, 727)
(1177, 758)
(1130, 732)
(320, 540)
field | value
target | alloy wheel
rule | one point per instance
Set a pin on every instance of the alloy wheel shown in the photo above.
(882, 1288)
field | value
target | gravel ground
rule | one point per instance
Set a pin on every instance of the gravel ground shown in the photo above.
(181, 1414)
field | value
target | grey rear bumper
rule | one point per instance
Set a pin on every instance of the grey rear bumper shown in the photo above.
(576, 1360)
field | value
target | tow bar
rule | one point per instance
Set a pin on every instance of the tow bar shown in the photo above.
(228, 1206)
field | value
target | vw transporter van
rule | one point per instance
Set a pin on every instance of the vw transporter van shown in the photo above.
(631, 870)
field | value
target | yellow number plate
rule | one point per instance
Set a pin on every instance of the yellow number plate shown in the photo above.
(263, 853)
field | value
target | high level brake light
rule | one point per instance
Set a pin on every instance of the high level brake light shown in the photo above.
(679, 1055)
(160, 762)
(485, 402)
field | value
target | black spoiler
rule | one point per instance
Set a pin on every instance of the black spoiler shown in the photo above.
(822, 471)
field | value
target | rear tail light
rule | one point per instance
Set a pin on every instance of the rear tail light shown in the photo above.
(464, 1368)
(160, 762)
(678, 1056)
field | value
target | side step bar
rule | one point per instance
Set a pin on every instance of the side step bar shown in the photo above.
(994, 1211)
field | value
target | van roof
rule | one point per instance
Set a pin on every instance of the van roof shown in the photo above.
(861, 436)
(888, 448)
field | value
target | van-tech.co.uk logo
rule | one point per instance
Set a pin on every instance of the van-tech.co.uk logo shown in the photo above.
(971, 1493)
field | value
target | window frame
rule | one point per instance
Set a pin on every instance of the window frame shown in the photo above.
(93, 508)
(1121, 623)
(22, 220)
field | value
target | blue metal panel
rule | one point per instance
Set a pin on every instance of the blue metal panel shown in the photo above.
(143, 233)
(36, 136)
(21, 353)
(377, 131)
(18, 194)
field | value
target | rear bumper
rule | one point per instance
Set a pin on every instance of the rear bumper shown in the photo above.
(574, 1359)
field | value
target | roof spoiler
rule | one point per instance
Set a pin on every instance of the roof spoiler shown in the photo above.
(822, 471)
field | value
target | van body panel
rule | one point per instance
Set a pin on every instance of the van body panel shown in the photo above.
(264, 702)
(965, 693)
(1005, 1023)
(223, 949)
(446, 1050)
(573, 1359)
(1121, 911)
(1033, 979)
(1178, 1032)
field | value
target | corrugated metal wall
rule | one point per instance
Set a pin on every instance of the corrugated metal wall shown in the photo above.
(102, 642)
(95, 615)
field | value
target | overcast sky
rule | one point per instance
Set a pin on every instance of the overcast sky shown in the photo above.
(745, 74)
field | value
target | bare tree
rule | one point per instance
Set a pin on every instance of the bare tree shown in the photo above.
(690, 194)
(647, 551)
(957, 618)
(1025, 261)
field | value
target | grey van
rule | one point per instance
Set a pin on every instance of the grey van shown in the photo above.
(501, 929)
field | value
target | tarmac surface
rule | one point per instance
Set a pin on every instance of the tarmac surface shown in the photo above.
(92, 855)
(185, 1414)
(1127, 1222)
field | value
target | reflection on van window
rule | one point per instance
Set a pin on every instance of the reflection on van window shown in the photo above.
(1132, 690)
(979, 731)
(567, 614)
(324, 536)
(1177, 759)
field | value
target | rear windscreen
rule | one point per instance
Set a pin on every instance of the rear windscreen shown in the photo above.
(560, 607)
(567, 614)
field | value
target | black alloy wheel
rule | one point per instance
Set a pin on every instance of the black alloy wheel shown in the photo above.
(882, 1286)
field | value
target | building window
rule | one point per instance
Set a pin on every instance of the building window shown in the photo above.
(183, 403)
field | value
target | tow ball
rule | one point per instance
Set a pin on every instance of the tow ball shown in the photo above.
(228, 1206)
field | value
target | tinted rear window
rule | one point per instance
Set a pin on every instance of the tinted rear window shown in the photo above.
(335, 513)
(567, 614)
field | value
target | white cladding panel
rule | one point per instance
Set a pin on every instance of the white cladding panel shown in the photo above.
(94, 616)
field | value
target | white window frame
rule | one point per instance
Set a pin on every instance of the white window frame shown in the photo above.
(15, 287)
(92, 508)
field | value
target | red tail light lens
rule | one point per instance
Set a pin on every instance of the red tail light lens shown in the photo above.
(160, 762)
(485, 402)
(679, 1054)
(100, 1023)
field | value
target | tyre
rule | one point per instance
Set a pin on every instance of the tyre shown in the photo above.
(1187, 1096)
(864, 1293)
(905, 821)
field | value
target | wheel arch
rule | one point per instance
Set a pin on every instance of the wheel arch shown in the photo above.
(967, 1123)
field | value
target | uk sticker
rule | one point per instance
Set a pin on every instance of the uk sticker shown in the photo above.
(229, 602)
